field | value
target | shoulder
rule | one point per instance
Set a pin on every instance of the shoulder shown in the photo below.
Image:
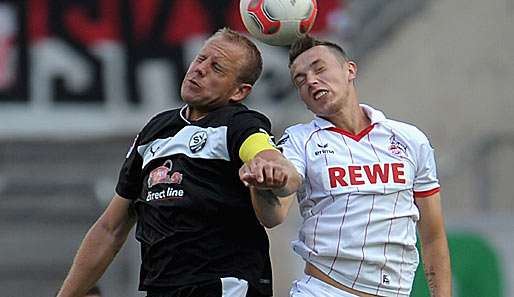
(242, 110)
(301, 130)
(230, 111)
(158, 122)
(298, 132)
(239, 114)
(163, 116)
(407, 131)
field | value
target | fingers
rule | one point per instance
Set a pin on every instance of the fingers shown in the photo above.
(263, 174)
(256, 168)
(246, 176)
(275, 176)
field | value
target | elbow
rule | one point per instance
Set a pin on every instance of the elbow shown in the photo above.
(114, 235)
(270, 223)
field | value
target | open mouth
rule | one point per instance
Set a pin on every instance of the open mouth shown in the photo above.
(319, 94)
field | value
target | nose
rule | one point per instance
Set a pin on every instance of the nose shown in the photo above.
(200, 68)
(311, 80)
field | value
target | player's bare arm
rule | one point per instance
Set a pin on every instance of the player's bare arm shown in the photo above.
(99, 247)
(273, 182)
(434, 246)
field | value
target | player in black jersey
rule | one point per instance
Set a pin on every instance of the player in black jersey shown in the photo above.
(199, 230)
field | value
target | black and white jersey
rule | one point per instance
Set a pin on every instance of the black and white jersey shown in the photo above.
(195, 218)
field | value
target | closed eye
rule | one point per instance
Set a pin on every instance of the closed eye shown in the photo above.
(299, 80)
(217, 67)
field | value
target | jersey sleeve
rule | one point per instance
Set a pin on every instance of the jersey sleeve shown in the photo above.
(426, 182)
(293, 150)
(242, 125)
(130, 177)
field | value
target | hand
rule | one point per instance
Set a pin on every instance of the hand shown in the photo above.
(264, 174)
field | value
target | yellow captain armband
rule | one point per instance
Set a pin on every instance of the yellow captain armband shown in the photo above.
(255, 144)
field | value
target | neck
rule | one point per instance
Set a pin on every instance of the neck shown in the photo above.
(351, 118)
(195, 114)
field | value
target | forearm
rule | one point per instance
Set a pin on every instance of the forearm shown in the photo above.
(96, 252)
(436, 261)
(270, 209)
(294, 182)
(434, 246)
(273, 181)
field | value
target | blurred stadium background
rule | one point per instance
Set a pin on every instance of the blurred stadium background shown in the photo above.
(79, 78)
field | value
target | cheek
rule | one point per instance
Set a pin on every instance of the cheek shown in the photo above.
(304, 93)
(306, 98)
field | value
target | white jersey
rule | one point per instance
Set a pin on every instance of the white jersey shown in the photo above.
(357, 203)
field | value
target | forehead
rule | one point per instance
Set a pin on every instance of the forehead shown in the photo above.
(221, 48)
(312, 56)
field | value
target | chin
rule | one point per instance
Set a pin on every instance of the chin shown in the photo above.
(186, 96)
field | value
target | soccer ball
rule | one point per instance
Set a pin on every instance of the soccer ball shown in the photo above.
(278, 22)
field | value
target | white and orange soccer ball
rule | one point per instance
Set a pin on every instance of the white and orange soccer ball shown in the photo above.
(278, 22)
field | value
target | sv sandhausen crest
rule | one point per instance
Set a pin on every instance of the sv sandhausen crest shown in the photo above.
(198, 141)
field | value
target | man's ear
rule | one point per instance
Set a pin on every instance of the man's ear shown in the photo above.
(352, 70)
(241, 92)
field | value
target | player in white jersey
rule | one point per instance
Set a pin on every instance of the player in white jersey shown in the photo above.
(368, 182)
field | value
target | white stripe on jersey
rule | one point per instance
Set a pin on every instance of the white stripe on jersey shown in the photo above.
(192, 141)
(310, 286)
(358, 200)
(233, 287)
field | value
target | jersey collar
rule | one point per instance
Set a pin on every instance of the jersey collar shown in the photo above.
(374, 115)
(182, 113)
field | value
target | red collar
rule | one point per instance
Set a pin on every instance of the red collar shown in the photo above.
(356, 137)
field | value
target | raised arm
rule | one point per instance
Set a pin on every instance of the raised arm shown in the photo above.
(101, 243)
(435, 253)
(273, 182)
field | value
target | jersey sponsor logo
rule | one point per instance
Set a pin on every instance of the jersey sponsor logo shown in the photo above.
(198, 141)
(356, 175)
(164, 175)
(168, 193)
(396, 147)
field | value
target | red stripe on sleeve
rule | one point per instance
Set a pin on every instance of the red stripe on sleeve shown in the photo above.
(426, 193)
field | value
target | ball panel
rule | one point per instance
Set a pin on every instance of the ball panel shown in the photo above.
(278, 22)
(307, 23)
(266, 23)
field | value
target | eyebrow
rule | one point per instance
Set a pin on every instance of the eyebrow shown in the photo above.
(222, 64)
(315, 62)
(312, 64)
(220, 60)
